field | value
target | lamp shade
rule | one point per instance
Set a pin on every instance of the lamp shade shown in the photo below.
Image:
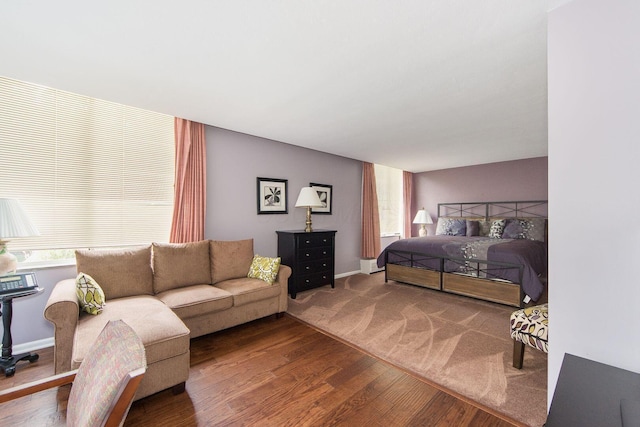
(14, 221)
(308, 198)
(422, 217)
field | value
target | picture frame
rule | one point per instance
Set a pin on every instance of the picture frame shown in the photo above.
(271, 195)
(325, 192)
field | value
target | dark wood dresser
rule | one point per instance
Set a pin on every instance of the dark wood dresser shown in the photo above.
(310, 256)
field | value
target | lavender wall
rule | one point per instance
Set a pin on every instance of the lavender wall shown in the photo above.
(503, 181)
(235, 160)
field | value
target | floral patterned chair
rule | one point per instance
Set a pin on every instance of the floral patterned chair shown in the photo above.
(104, 385)
(529, 326)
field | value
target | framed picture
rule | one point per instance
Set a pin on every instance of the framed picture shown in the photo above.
(272, 196)
(325, 193)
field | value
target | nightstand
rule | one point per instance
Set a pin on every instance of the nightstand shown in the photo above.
(310, 256)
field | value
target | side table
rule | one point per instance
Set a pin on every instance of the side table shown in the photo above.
(8, 360)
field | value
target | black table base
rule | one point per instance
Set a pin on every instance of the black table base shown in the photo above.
(8, 361)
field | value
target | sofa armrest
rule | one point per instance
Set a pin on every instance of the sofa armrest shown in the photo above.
(282, 280)
(62, 310)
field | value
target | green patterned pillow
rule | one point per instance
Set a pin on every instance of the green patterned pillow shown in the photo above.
(264, 268)
(90, 294)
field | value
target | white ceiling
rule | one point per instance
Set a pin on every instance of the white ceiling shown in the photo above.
(418, 85)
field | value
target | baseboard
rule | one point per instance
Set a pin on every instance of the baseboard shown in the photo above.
(32, 346)
(350, 273)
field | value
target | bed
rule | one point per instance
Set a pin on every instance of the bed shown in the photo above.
(493, 251)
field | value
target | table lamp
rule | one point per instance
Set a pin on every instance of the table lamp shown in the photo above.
(422, 218)
(308, 198)
(14, 223)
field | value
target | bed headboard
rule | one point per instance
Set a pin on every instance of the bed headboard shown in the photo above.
(516, 209)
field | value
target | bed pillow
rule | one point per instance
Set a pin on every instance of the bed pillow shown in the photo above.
(530, 228)
(451, 227)
(473, 228)
(497, 228)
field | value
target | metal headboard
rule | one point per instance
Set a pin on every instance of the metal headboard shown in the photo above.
(516, 209)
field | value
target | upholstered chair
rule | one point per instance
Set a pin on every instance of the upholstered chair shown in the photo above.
(104, 385)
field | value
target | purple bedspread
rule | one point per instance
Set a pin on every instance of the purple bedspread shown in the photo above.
(530, 254)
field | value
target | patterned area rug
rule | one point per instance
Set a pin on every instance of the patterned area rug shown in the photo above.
(459, 343)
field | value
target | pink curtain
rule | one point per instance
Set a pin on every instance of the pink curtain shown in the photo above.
(370, 215)
(407, 193)
(190, 200)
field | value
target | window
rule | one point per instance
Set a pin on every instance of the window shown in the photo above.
(390, 206)
(90, 173)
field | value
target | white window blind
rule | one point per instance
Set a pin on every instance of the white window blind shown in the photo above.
(89, 172)
(390, 206)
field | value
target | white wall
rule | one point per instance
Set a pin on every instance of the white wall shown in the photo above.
(594, 171)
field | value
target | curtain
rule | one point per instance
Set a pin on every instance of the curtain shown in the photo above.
(370, 215)
(407, 190)
(189, 206)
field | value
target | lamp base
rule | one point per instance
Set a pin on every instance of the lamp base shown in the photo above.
(8, 261)
(423, 231)
(308, 228)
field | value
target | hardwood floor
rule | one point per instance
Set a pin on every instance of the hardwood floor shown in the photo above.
(270, 372)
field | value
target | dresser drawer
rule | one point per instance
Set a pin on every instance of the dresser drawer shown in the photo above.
(311, 281)
(307, 254)
(314, 240)
(321, 266)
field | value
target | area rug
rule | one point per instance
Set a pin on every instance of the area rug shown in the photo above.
(458, 343)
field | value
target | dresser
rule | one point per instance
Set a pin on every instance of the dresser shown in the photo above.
(310, 256)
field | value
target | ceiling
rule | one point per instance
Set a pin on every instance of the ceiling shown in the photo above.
(418, 85)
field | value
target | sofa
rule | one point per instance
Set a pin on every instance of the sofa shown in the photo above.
(168, 293)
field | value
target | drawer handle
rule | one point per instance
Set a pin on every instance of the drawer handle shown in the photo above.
(324, 240)
(307, 280)
(307, 254)
(307, 267)
(324, 265)
(324, 252)
(307, 241)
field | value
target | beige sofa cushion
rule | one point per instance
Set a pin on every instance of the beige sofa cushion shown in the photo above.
(196, 300)
(230, 259)
(120, 273)
(163, 334)
(246, 290)
(176, 265)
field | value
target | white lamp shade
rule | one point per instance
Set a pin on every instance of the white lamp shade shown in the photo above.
(14, 221)
(422, 217)
(308, 197)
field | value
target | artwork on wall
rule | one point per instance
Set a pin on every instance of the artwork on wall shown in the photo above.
(272, 196)
(325, 193)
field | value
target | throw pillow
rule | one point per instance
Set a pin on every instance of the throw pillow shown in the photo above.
(264, 268)
(497, 228)
(90, 294)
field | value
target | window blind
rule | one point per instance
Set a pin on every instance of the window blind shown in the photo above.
(90, 173)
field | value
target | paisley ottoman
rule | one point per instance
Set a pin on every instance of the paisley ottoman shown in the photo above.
(529, 326)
